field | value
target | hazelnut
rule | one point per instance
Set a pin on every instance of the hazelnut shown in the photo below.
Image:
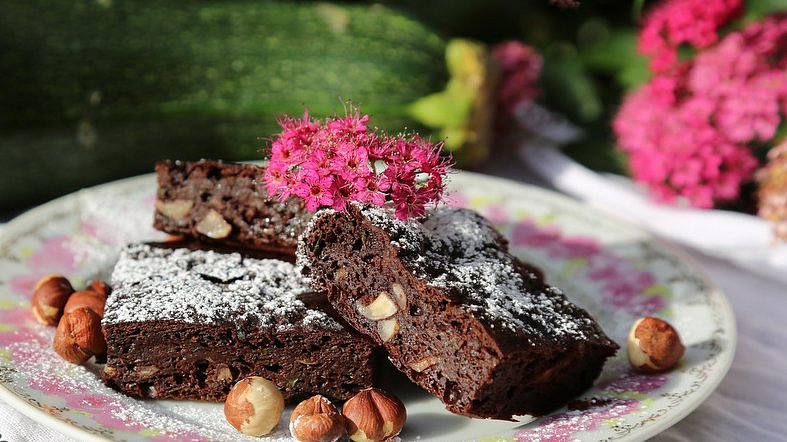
(100, 287)
(653, 345)
(398, 292)
(223, 374)
(79, 336)
(373, 415)
(110, 371)
(86, 298)
(145, 371)
(177, 209)
(388, 329)
(423, 363)
(316, 420)
(254, 406)
(382, 307)
(214, 226)
(49, 297)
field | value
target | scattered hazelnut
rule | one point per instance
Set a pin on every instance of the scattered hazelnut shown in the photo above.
(145, 371)
(388, 329)
(653, 345)
(382, 307)
(100, 287)
(223, 374)
(110, 371)
(49, 297)
(254, 406)
(177, 209)
(373, 415)
(316, 420)
(79, 336)
(214, 226)
(423, 363)
(86, 298)
(398, 292)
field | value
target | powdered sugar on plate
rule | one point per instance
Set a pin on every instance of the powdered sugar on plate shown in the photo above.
(109, 218)
(205, 287)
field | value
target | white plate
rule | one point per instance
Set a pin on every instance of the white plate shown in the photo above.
(614, 270)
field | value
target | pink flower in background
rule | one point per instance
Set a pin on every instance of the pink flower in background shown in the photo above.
(332, 162)
(676, 22)
(520, 67)
(687, 132)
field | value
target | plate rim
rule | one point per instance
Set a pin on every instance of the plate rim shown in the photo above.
(669, 419)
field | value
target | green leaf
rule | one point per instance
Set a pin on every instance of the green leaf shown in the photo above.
(569, 85)
(618, 56)
(441, 109)
(757, 9)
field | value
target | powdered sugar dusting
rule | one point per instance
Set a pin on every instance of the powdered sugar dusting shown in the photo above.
(109, 218)
(205, 287)
(459, 251)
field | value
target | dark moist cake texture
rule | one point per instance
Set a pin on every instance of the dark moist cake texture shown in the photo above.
(456, 311)
(224, 204)
(188, 324)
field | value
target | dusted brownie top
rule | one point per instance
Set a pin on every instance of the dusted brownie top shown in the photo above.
(460, 252)
(204, 287)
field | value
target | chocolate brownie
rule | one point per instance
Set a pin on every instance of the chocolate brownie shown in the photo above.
(188, 324)
(225, 205)
(456, 311)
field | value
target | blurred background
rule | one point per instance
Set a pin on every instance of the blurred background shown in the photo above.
(101, 89)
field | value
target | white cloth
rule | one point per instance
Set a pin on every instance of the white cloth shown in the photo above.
(743, 239)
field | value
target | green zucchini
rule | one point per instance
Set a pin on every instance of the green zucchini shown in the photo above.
(100, 89)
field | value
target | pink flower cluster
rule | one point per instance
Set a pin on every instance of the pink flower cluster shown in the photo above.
(676, 22)
(332, 162)
(520, 65)
(687, 132)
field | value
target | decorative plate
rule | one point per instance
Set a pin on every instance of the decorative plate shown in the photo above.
(614, 270)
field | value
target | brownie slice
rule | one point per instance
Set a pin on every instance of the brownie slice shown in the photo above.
(456, 311)
(188, 324)
(225, 205)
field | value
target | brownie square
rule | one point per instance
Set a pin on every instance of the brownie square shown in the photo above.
(457, 313)
(224, 204)
(188, 324)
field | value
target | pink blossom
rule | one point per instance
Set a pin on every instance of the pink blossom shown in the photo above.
(674, 22)
(371, 189)
(337, 160)
(688, 131)
(520, 67)
(276, 180)
(341, 192)
(315, 190)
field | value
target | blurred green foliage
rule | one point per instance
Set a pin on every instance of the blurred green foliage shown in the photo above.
(590, 56)
(98, 89)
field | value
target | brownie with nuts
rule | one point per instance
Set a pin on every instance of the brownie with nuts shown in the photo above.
(224, 204)
(457, 313)
(189, 324)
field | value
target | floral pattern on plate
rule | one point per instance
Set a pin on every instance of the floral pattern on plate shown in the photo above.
(612, 269)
